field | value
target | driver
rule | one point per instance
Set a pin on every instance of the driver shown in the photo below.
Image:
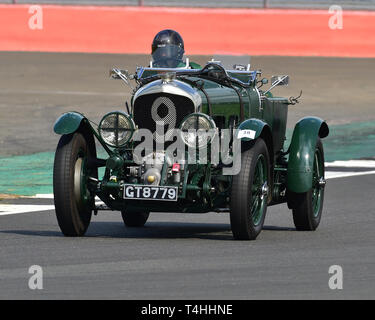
(168, 49)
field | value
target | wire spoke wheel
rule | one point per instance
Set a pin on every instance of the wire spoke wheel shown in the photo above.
(307, 206)
(81, 173)
(318, 182)
(249, 193)
(258, 199)
(73, 200)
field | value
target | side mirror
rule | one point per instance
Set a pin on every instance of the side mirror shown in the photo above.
(279, 81)
(115, 73)
(264, 81)
(121, 74)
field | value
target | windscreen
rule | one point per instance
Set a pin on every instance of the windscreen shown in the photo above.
(236, 66)
(233, 62)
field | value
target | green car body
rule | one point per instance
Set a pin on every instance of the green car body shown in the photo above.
(231, 100)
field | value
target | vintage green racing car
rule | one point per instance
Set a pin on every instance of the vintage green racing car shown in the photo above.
(191, 141)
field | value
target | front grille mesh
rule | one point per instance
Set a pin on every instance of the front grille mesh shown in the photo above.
(163, 110)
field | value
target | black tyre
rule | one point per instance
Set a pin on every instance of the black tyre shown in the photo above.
(249, 194)
(307, 207)
(73, 200)
(134, 219)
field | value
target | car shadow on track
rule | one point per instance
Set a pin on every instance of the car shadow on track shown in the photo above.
(275, 228)
(152, 230)
(40, 233)
(168, 230)
(161, 230)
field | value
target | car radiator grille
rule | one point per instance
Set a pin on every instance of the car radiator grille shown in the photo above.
(165, 110)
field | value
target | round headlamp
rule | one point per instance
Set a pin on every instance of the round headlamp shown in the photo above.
(197, 130)
(116, 128)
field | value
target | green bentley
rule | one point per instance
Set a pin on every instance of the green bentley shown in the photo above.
(208, 139)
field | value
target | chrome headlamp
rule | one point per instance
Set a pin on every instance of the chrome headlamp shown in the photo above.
(116, 128)
(198, 130)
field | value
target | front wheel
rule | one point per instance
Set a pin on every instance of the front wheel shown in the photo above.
(73, 200)
(249, 195)
(308, 206)
(134, 219)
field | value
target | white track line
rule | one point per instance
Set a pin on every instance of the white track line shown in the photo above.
(43, 196)
(352, 164)
(338, 174)
(7, 209)
(50, 196)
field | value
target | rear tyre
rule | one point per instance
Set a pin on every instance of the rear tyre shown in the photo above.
(249, 194)
(308, 206)
(134, 219)
(73, 200)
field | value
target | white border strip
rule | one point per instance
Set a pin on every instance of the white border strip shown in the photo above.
(7, 209)
(43, 196)
(338, 174)
(352, 164)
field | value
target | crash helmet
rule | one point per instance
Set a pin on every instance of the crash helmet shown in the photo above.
(167, 49)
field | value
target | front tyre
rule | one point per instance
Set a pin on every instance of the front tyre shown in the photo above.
(73, 200)
(249, 194)
(134, 219)
(308, 206)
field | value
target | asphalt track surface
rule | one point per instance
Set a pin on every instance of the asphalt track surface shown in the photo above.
(181, 256)
(193, 256)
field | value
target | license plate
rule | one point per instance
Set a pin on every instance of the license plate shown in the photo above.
(139, 192)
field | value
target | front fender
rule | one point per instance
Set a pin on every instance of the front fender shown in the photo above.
(250, 129)
(68, 122)
(301, 152)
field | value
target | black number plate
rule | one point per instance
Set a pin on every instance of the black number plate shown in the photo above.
(139, 192)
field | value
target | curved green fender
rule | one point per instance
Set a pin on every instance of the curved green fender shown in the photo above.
(301, 152)
(68, 122)
(250, 129)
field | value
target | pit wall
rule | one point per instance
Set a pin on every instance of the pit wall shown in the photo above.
(205, 31)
